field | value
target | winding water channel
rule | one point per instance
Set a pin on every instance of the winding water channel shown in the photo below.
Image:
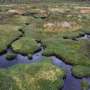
(85, 37)
(70, 82)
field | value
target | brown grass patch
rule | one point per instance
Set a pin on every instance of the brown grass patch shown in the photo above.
(85, 10)
(61, 26)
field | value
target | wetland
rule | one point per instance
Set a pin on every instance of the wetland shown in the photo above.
(45, 46)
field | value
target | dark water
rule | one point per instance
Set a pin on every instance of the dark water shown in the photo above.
(85, 37)
(70, 83)
(20, 59)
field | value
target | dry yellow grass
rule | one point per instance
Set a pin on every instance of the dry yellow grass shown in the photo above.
(61, 26)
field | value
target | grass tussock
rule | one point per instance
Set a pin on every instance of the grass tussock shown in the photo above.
(37, 76)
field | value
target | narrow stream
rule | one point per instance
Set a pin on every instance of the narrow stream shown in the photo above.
(70, 83)
(20, 59)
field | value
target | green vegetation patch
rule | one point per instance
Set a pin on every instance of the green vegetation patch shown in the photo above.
(81, 71)
(17, 20)
(85, 85)
(25, 45)
(8, 33)
(73, 52)
(37, 76)
(10, 55)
